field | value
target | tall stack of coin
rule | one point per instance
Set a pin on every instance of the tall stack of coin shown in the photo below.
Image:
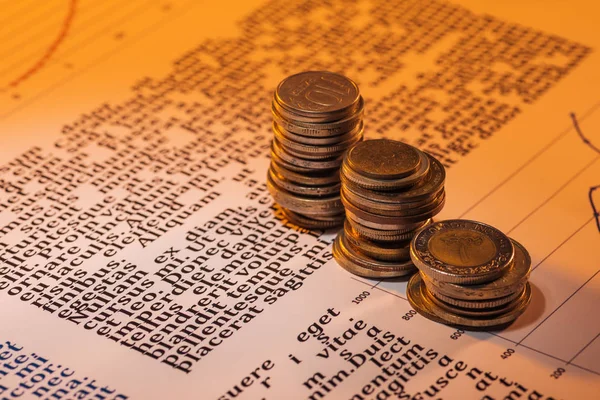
(470, 275)
(390, 190)
(317, 116)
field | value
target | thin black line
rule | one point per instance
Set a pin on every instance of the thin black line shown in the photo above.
(502, 337)
(562, 243)
(508, 340)
(585, 369)
(594, 209)
(535, 156)
(358, 280)
(584, 347)
(597, 150)
(375, 285)
(184, 9)
(559, 359)
(546, 354)
(392, 293)
(557, 308)
(581, 135)
(554, 194)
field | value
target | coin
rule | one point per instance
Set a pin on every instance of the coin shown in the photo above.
(317, 116)
(318, 150)
(430, 187)
(369, 204)
(323, 206)
(419, 304)
(320, 140)
(397, 235)
(306, 164)
(383, 159)
(418, 298)
(387, 184)
(462, 251)
(471, 304)
(323, 129)
(508, 283)
(307, 190)
(318, 178)
(361, 265)
(384, 251)
(400, 212)
(310, 223)
(397, 222)
(317, 93)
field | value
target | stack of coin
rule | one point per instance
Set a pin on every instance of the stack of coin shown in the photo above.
(317, 116)
(390, 190)
(471, 275)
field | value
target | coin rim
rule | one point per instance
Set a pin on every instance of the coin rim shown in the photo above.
(424, 259)
(356, 166)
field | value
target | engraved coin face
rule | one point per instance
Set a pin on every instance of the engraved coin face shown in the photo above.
(462, 251)
(383, 159)
(462, 248)
(510, 282)
(317, 92)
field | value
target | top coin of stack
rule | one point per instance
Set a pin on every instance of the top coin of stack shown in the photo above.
(390, 190)
(317, 116)
(471, 275)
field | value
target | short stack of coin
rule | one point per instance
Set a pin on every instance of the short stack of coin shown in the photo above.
(471, 275)
(317, 116)
(390, 190)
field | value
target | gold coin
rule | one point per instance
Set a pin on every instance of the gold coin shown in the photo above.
(376, 220)
(383, 159)
(462, 251)
(363, 201)
(473, 307)
(426, 189)
(384, 251)
(320, 130)
(316, 150)
(361, 265)
(399, 212)
(303, 190)
(312, 223)
(386, 184)
(508, 283)
(330, 140)
(413, 294)
(387, 236)
(416, 290)
(318, 206)
(306, 165)
(318, 178)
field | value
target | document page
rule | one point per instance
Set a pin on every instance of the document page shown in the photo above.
(142, 256)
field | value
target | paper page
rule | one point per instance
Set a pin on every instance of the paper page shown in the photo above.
(143, 258)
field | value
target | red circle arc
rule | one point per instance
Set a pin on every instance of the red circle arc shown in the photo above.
(51, 49)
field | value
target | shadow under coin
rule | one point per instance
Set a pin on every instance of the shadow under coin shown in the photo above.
(533, 313)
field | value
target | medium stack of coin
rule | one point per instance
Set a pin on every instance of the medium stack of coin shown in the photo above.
(390, 190)
(471, 275)
(317, 116)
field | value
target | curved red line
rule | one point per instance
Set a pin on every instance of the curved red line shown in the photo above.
(61, 36)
